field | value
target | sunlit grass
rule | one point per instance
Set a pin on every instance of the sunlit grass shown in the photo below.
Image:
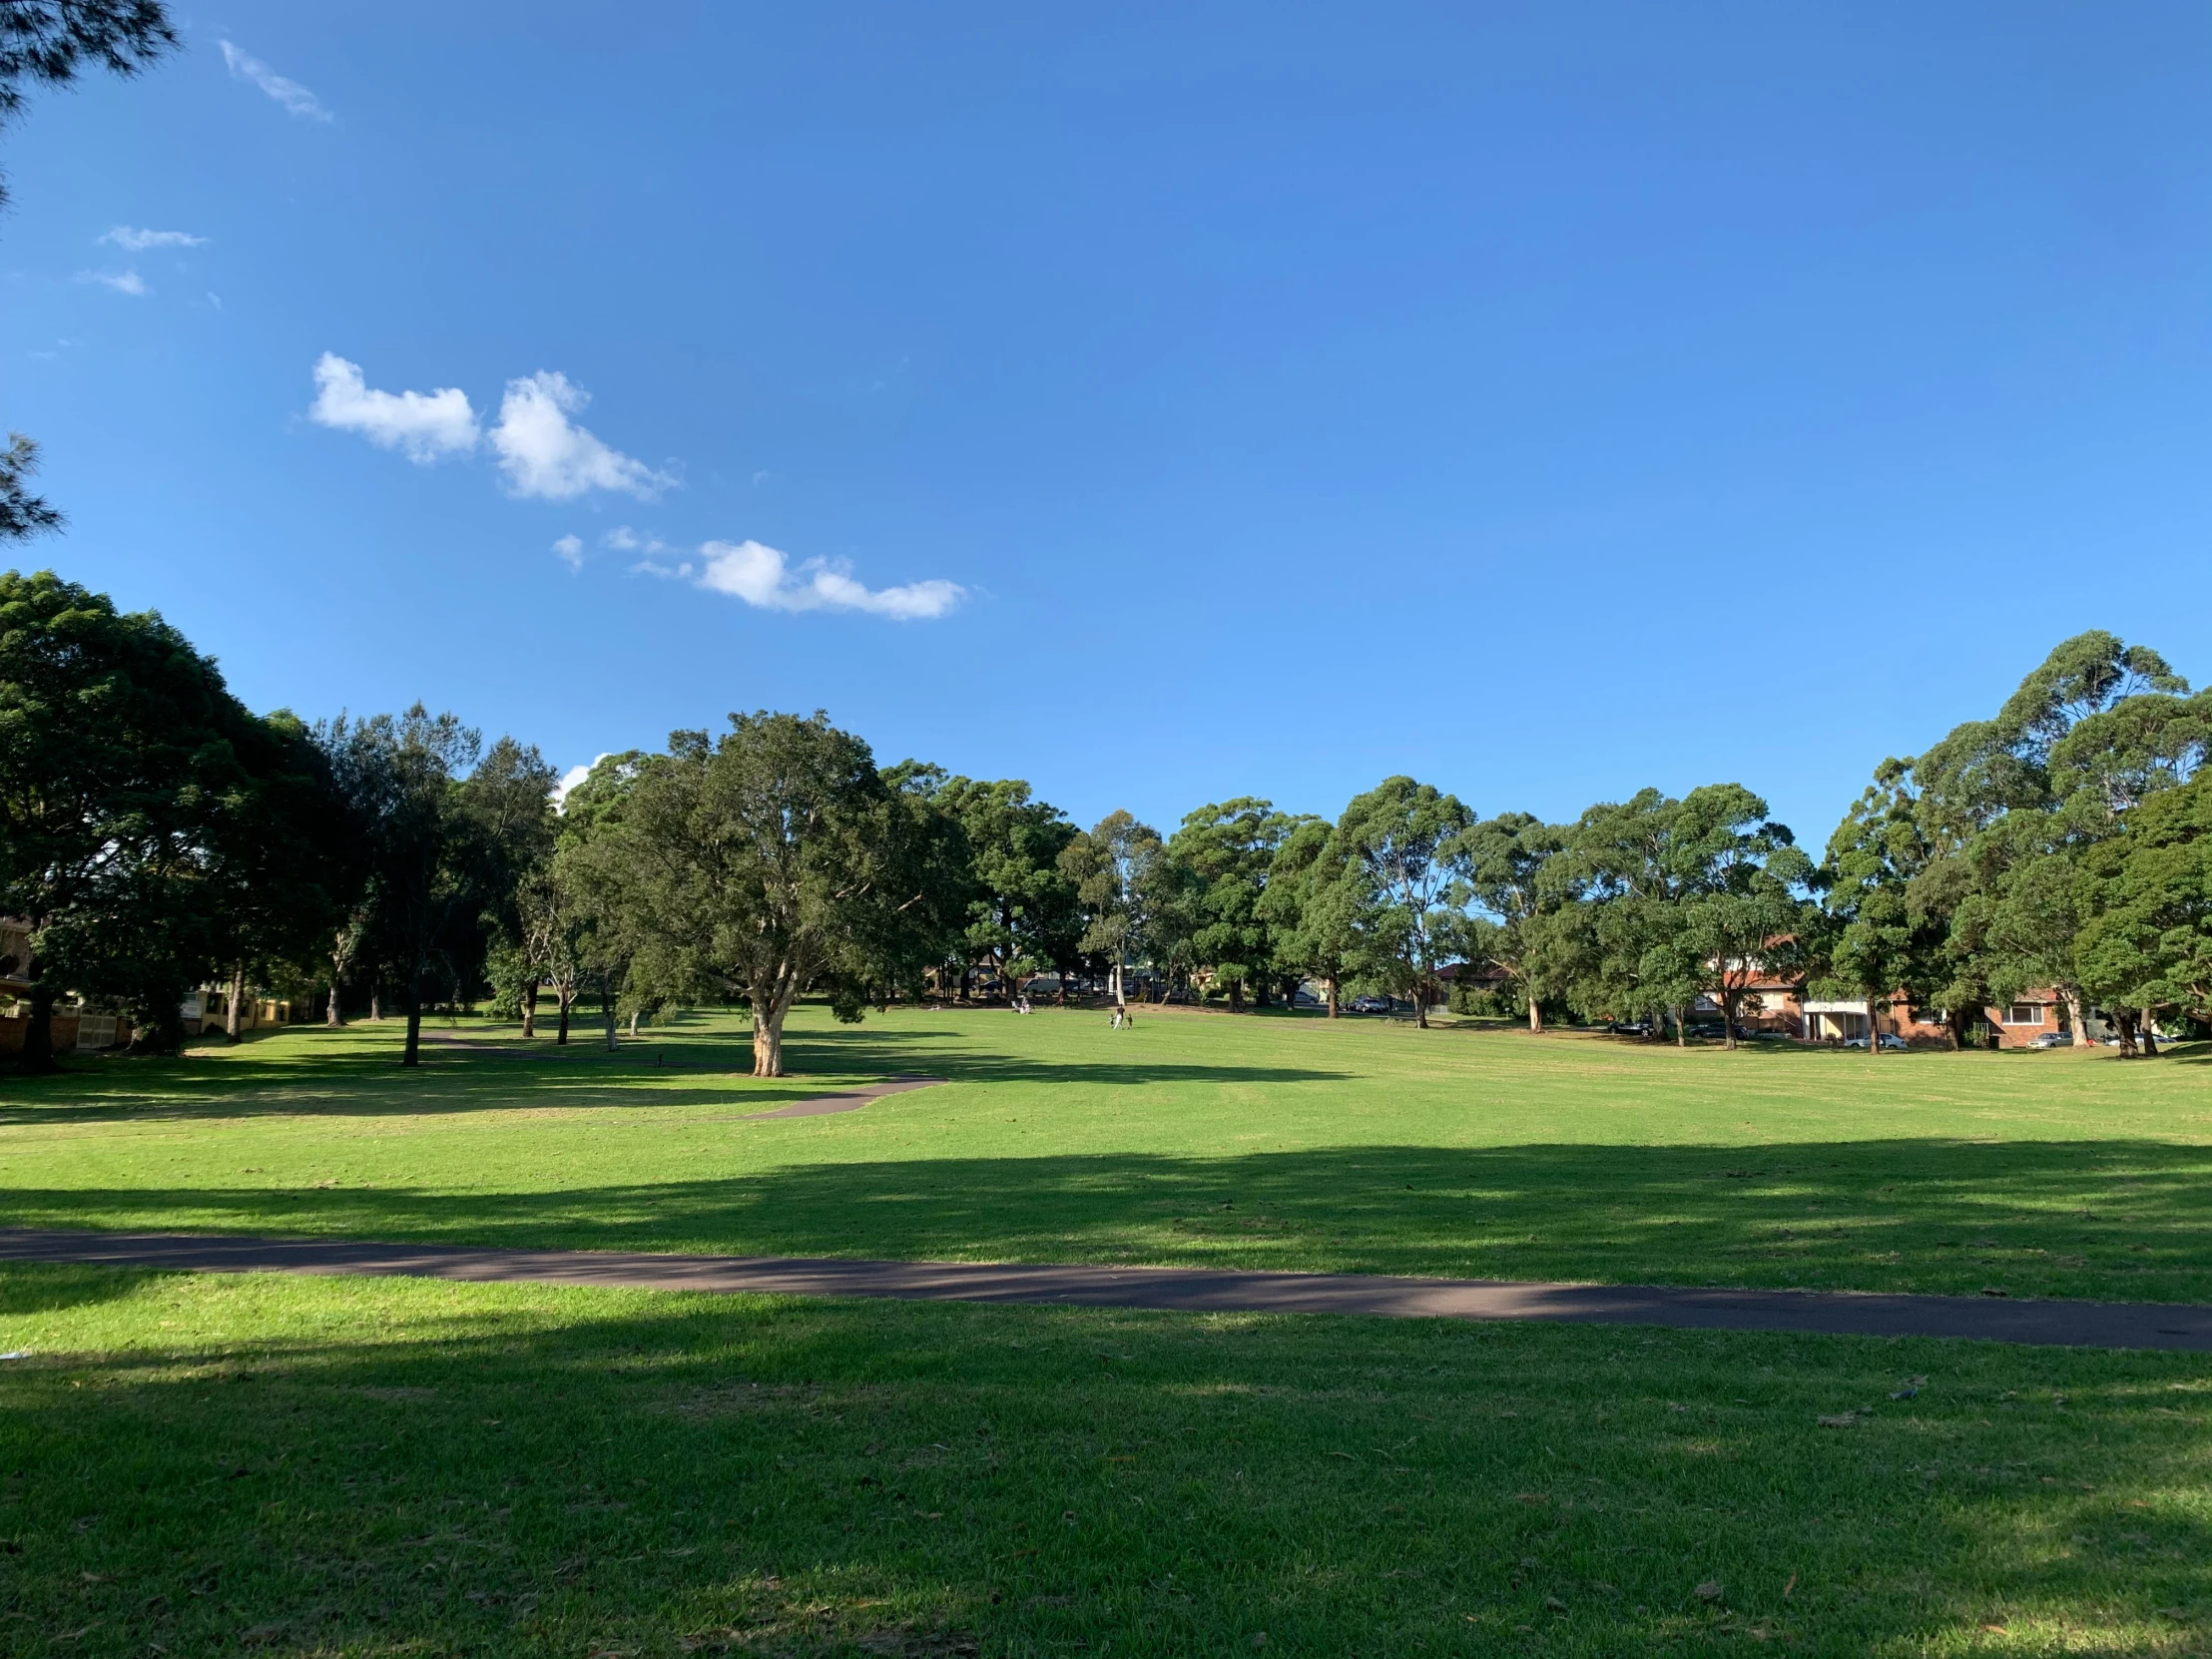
(1258, 1142)
(387, 1466)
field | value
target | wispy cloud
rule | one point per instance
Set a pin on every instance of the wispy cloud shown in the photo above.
(133, 241)
(763, 576)
(126, 282)
(295, 99)
(421, 426)
(570, 551)
(547, 455)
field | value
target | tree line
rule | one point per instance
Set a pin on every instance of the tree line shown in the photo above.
(156, 836)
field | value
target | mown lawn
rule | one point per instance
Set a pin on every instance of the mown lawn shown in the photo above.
(1355, 1146)
(391, 1468)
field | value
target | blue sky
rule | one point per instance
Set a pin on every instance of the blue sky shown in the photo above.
(1158, 402)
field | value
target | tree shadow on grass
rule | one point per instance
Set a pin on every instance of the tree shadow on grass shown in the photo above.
(633, 1472)
(455, 1079)
(2124, 1220)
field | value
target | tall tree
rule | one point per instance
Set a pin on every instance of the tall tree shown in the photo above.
(2001, 812)
(1113, 867)
(1516, 869)
(769, 863)
(1021, 916)
(133, 789)
(1227, 851)
(1311, 908)
(1740, 916)
(1402, 845)
(426, 890)
(2145, 941)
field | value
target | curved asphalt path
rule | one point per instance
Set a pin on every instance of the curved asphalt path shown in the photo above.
(1185, 1290)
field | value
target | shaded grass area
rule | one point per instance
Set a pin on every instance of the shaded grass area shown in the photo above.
(303, 1467)
(1191, 1140)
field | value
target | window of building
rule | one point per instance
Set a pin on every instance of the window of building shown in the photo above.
(2025, 1013)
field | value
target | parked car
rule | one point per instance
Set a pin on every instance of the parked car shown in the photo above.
(1630, 1028)
(2053, 1039)
(1890, 1039)
(1371, 1004)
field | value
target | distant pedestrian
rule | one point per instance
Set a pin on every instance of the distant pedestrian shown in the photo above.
(1114, 1024)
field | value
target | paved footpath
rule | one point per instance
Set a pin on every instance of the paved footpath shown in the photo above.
(1186, 1290)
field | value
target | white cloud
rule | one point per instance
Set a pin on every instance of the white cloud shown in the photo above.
(570, 551)
(569, 779)
(295, 99)
(424, 426)
(762, 576)
(667, 573)
(128, 282)
(133, 240)
(545, 455)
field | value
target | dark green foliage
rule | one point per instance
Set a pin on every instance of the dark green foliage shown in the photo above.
(149, 823)
(1220, 861)
(771, 863)
(22, 514)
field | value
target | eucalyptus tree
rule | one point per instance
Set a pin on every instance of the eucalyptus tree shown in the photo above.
(424, 896)
(1682, 898)
(2144, 946)
(1517, 871)
(1115, 868)
(1615, 943)
(767, 863)
(1403, 847)
(1985, 831)
(1312, 907)
(1225, 853)
(1021, 915)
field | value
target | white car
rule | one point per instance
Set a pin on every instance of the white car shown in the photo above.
(1889, 1040)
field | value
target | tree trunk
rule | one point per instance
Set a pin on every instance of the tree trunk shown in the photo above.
(2150, 1037)
(1063, 990)
(1120, 1001)
(1329, 984)
(1421, 1005)
(633, 1023)
(376, 1003)
(1235, 996)
(768, 1036)
(607, 1012)
(412, 1055)
(1535, 1011)
(530, 1008)
(1874, 1030)
(230, 1010)
(37, 1057)
(2124, 1018)
(2077, 1015)
(1681, 1029)
(331, 1014)
(564, 994)
(1728, 1020)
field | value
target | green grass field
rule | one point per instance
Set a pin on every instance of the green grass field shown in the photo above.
(1353, 1147)
(386, 1467)
(322, 1468)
